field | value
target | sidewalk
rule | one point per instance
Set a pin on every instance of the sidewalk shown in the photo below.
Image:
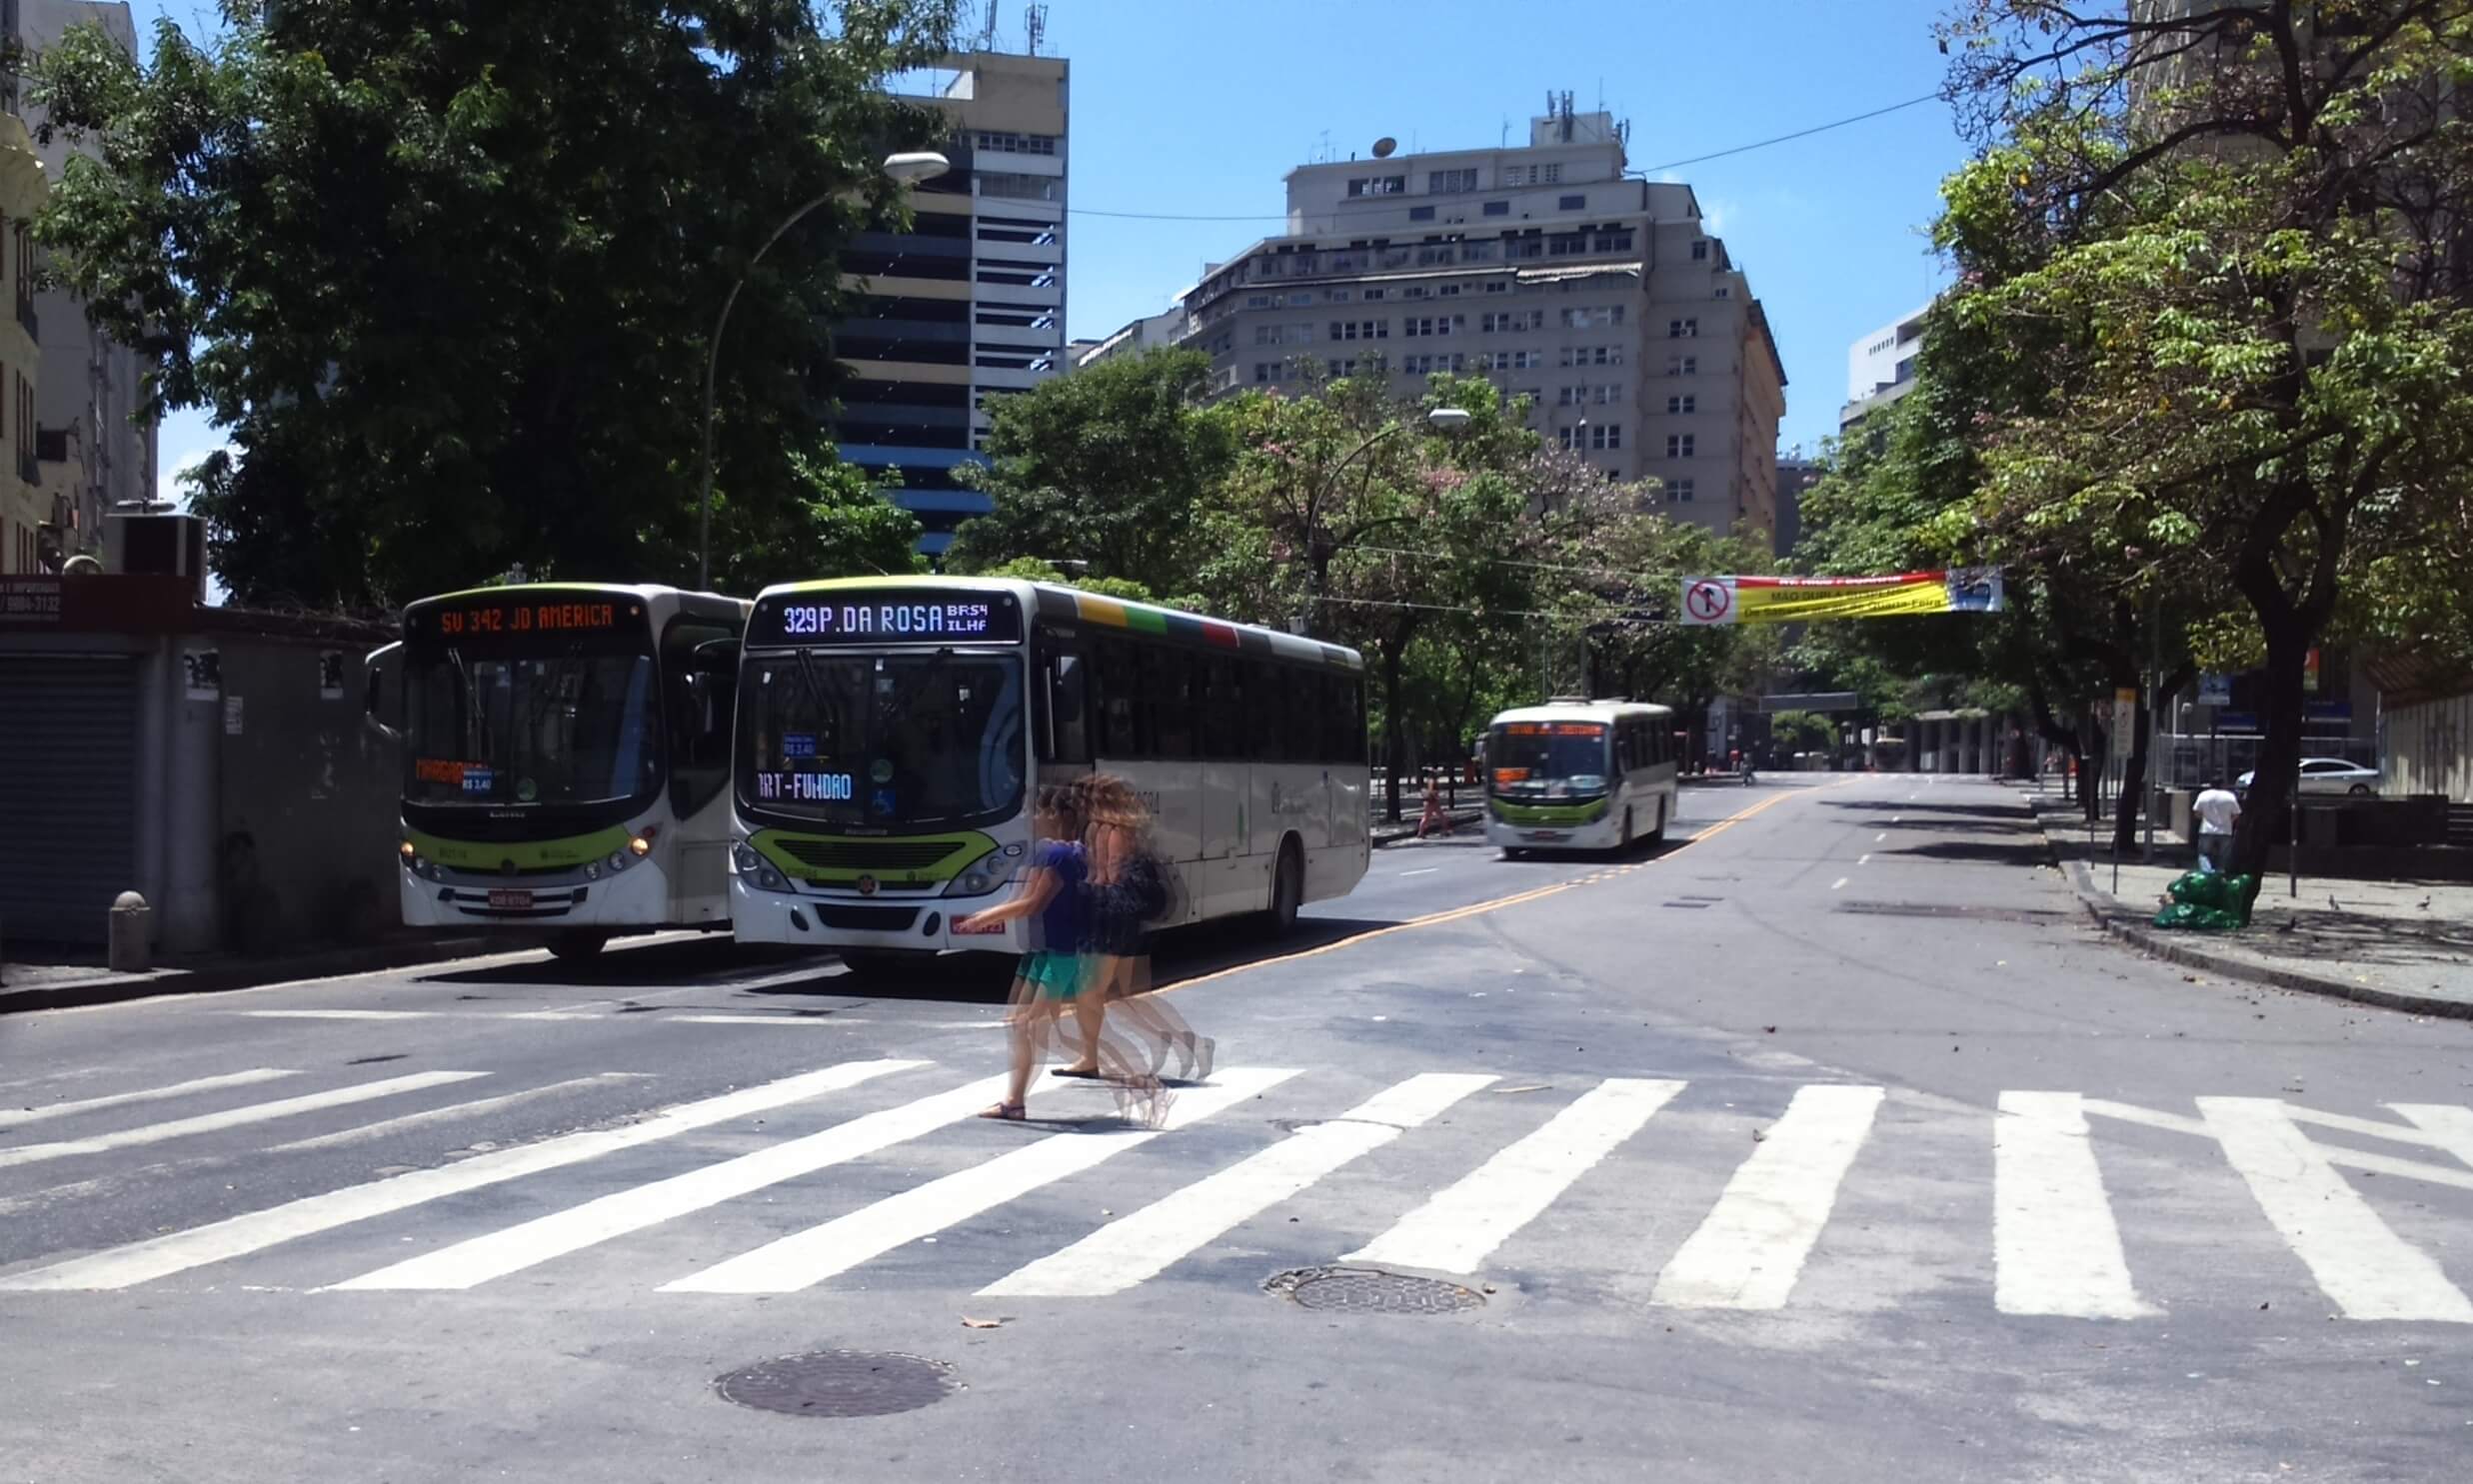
(52, 987)
(2405, 946)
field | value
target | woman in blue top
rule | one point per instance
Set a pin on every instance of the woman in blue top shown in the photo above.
(1049, 975)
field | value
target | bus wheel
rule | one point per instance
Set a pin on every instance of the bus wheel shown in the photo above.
(576, 948)
(1514, 852)
(1287, 890)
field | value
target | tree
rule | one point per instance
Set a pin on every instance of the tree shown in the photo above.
(444, 273)
(1361, 517)
(2246, 221)
(1033, 569)
(1802, 731)
(1105, 466)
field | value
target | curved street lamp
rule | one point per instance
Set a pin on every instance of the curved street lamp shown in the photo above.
(906, 168)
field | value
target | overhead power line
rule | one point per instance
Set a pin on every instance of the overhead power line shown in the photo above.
(1757, 144)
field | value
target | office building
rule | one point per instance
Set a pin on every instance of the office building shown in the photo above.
(1605, 300)
(967, 307)
(1881, 368)
(1795, 474)
(84, 450)
(1149, 332)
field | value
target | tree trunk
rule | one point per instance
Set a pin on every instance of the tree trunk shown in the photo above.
(1392, 751)
(2133, 780)
(2265, 815)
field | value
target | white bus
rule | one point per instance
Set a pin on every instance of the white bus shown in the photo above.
(566, 756)
(890, 731)
(1579, 776)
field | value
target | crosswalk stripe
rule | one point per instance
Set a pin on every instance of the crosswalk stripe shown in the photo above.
(806, 1258)
(1131, 1249)
(256, 1112)
(157, 1257)
(2356, 1258)
(1748, 1251)
(362, 1132)
(2446, 1125)
(14, 1119)
(2055, 1247)
(1462, 1225)
(514, 1248)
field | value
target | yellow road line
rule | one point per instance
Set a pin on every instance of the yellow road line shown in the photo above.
(1474, 909)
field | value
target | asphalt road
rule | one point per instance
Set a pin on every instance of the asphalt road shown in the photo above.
(1828, 1143)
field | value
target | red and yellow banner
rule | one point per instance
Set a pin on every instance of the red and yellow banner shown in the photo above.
(1802, 600)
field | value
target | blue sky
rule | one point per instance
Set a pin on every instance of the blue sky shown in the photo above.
(1184, 108)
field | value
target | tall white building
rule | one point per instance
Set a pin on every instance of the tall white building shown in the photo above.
(91, 453)
(967, 307)
(1881, 368)
(1602, 298)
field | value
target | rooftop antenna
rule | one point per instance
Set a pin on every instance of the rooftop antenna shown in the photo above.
(1505, 142)
(987, 32)
(1567, 115)
(1036, 19)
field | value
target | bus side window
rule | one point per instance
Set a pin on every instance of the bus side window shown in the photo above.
(1067, 737)
(1116, 714)
(1343, 735)
(1304, 711)
(1224, 714)
(1265, 702)
(700, 706)
(1167, 697)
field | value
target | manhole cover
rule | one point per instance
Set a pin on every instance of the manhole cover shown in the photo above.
(839, 1383)
(1370, 1290)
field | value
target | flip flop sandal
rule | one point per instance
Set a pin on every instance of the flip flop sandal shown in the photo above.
(1007, 1113)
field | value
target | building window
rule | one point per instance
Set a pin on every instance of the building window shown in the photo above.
(1423, 325)
(1678, 492)
(1258, 301)
(1699, 250)
(1726, 290)
(1265, 335)
(1370, 295)
(1549, 174)
(1447, 290)
(1682, 366)
(1421, 213)
(1441, 182)
(1497, 286)
(1677, 404)
(1572, 202)
(1679, 445)
(1337, 295)
(1361, 328)
(1020, 144)
(1682, 329)
(1606, 434)
(1496, 209)
(1299, 301)
(1264, 370)
(1610, 242)
(1378, 185)
(1610, 393)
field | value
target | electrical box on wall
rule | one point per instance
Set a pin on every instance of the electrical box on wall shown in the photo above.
(156, 545)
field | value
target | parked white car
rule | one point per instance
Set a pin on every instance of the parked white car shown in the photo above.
(2329, 775)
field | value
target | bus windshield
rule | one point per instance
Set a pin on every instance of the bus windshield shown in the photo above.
(498, 729)
(1546, 759)
(884, 741)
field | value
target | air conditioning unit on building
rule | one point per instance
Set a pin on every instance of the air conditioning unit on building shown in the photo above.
(143, 540)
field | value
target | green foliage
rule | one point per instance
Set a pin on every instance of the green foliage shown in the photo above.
(1107, 466)
(1802, 731)
(1033, 569)
(445, 274)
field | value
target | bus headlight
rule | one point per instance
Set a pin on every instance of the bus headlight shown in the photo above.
(620, 861)
(408, 851)
(591, 871)
(973, 883)
(747, 858)
(771, 879)
(640, 844)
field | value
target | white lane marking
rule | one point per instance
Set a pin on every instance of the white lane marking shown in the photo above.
(2356, 1258)
(14, 1119)
(1752, 1247)
(1877, 838)
(963, 1025)
(1460, 1226)
(1425, 870)
(2130, 1112)
(1131, 1249)
(1896, 819)
(806, 1258)
(361, 1133)
(514, 1248)
(2382, 1164)
(1865, 860)
(157, 1257)
(2447, 1126)
(784, 1019)
(1840, 882)
(256, 1112)
(2056, 1246)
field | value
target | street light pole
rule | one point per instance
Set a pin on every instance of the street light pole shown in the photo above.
(904, 168)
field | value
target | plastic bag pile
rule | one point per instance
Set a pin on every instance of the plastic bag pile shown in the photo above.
(2207, 902)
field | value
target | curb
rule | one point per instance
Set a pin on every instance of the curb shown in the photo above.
(216, 979)
(2135, 931)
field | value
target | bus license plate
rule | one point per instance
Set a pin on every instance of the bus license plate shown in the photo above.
(508, 896)
(1546, 835)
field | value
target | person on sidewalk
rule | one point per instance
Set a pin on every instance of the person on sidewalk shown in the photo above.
(2216, 808)
(1434, 818)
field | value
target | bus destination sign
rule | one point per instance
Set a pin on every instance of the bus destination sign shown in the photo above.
(525, 614)
(887, 616)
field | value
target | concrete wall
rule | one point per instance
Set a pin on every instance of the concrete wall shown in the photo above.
(307, 820)
(2430, 750)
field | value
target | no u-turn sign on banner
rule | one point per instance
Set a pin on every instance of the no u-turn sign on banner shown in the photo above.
(1710, 600)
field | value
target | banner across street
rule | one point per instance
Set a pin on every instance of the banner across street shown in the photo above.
(1709, 601)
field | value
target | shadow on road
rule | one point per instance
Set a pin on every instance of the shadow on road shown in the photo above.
(1958, 810)
(2025, 851)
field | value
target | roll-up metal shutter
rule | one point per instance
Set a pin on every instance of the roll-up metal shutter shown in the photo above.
(68, 793)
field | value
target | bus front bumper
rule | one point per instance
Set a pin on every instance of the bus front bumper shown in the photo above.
(637, 896)
(914, 924)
